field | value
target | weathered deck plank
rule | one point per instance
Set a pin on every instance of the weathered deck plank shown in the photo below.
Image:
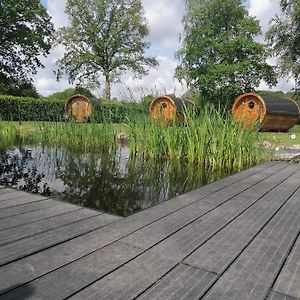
(44, 225)
(288, 281)
(28, 207)
(251, 276)
(160, 259)
(27, 198)
(27, 246)
(219, 252)
(34, 216)
(228, 240)
(184, 282)
(9, 194)
(97, 239)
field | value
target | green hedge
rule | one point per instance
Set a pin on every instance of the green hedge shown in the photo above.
(51, 109)
(115, 112)
(30, 109)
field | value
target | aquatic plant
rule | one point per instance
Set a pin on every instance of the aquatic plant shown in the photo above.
(212, 138)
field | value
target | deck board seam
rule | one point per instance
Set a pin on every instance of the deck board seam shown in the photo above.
(284, 166)
(220, 229)
(43, 219)
(195, 267)
(68, 239)
(250, 241)
(284, 263)
(35, 201)
(281, 294)
(24, 212)
(145, 250)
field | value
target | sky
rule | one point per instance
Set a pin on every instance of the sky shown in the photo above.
(164, 20)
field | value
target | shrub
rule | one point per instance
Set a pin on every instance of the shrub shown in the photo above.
(52, 109)
(30, 109)
(115, 111)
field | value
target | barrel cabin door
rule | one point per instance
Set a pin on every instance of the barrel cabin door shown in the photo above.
(250, 111)
(164, 110)
(79, 108)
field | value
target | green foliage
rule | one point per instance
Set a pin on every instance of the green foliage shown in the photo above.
(116, 111)
(29, 109)
(213, 139)
(52, 109)
(104, 38)
(67, 93)
(274, 93)
(68, 134)
(284, 38)
(25, 34)
(19, 88)
(219, 57)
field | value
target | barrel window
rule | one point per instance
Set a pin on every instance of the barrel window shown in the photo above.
(251, 105)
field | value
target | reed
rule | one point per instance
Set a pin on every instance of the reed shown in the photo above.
(60, 133)
(213, 139)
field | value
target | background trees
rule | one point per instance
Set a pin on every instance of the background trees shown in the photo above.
(105, 37)
(25, 33)
(219, 56)
(284, 38)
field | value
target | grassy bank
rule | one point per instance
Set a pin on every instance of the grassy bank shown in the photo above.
(59, 133)
(288, 139)
(213, 138)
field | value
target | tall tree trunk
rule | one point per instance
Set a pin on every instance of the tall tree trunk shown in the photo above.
(107, 89)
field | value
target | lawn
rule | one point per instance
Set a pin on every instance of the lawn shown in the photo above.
(280, 139)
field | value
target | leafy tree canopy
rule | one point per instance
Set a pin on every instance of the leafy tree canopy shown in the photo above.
(67, 93)
(284, 38)
(219, 56)
(105, 37)
(25, 34)
(19, 88)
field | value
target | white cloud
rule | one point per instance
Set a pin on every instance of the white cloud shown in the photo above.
(159, 81)
(56, 9)
(164, 18)
(264, 10)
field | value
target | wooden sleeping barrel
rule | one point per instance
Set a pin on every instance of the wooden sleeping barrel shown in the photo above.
(265, 113)
(79, 108)
(169, 108)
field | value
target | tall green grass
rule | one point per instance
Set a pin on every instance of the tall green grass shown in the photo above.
(213, 138)
(68, 134)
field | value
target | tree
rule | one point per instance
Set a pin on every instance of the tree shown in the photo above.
(219, 56)
(25, 34)
(284, 38)
(19, 88)
(105, 37)
(67, 93)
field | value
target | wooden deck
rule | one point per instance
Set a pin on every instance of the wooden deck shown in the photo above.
(237, 238)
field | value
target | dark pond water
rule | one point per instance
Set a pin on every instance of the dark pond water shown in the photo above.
(105, 180)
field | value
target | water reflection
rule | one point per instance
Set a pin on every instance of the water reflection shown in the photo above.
(107, 180)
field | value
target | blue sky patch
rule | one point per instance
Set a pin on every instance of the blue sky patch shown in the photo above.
(44, 2)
